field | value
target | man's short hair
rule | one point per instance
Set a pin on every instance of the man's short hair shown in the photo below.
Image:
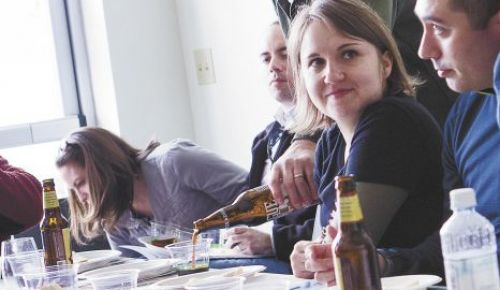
(478, 12)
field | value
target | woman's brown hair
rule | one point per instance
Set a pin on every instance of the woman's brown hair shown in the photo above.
(355, 19)
(110, 165)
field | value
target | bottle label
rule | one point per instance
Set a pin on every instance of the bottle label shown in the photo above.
(50, 200)
(227, 223)
(67, 244)
(350, 210)
(274, 211)
(478, 273)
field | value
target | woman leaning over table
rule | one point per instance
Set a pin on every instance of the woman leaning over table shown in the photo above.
(118, 189)
(350, 80)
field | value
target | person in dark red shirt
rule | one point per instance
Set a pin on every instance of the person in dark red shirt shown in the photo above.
(20, 200)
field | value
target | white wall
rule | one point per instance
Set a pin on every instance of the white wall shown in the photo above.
(144, 77)
(101, 74)
(228, 114)
(146, 92)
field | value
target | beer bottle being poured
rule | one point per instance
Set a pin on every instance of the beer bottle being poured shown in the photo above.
(54, 228)
(252, 207)
(355, 259)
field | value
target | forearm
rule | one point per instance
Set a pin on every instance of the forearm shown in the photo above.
(425, 258)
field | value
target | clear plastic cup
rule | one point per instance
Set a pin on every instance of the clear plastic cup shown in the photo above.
(14, 247)
(216, 283)
(26, 262)
(192, 258)
(119, 280)
(162, 233)
(63, 276)
(186, 235)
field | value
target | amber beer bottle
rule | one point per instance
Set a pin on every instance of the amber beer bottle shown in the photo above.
(252, 207)
(54, 228)
(355, 259)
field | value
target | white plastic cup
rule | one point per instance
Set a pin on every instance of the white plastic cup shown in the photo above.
(120, 280)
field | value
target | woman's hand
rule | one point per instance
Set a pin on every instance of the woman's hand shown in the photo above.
(319, 260)
(298, 260)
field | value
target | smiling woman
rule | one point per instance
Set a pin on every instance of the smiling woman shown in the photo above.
(351, 81)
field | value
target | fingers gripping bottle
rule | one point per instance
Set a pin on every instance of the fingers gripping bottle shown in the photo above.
(469, 246)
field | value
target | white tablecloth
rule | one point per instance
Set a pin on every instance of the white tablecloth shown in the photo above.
(269, 279)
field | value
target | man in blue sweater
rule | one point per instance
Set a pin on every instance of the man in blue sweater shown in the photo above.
(462, 39)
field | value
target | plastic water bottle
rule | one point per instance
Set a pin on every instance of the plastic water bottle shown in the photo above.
(469, 246)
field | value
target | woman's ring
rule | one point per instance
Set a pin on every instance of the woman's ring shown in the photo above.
(298, 175)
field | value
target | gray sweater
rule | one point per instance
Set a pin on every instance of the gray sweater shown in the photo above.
(185, 182)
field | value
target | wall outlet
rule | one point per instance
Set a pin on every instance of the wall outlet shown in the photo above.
(204, 66)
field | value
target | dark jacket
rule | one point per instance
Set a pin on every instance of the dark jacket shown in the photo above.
(295, 226)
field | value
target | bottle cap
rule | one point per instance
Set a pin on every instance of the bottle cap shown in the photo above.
(462, 198)
(48, 180)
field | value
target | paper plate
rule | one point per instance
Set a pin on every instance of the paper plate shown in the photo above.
(147, 269)
(180, 282)
(227, 253)
(409, 282)
(94, 259)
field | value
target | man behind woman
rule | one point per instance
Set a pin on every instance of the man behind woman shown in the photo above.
(267, 147)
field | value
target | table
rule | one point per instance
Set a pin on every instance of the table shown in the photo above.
(257, 279)
(300, 284)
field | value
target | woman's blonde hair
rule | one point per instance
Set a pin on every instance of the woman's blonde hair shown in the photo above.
(355, 19)
(110, 165)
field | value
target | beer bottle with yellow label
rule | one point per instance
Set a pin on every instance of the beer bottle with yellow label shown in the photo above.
(355, 259)
(54, 228)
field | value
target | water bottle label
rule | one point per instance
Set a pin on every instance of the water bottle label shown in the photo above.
(478, 273)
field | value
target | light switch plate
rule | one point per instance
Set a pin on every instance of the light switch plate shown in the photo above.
(204, 66)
